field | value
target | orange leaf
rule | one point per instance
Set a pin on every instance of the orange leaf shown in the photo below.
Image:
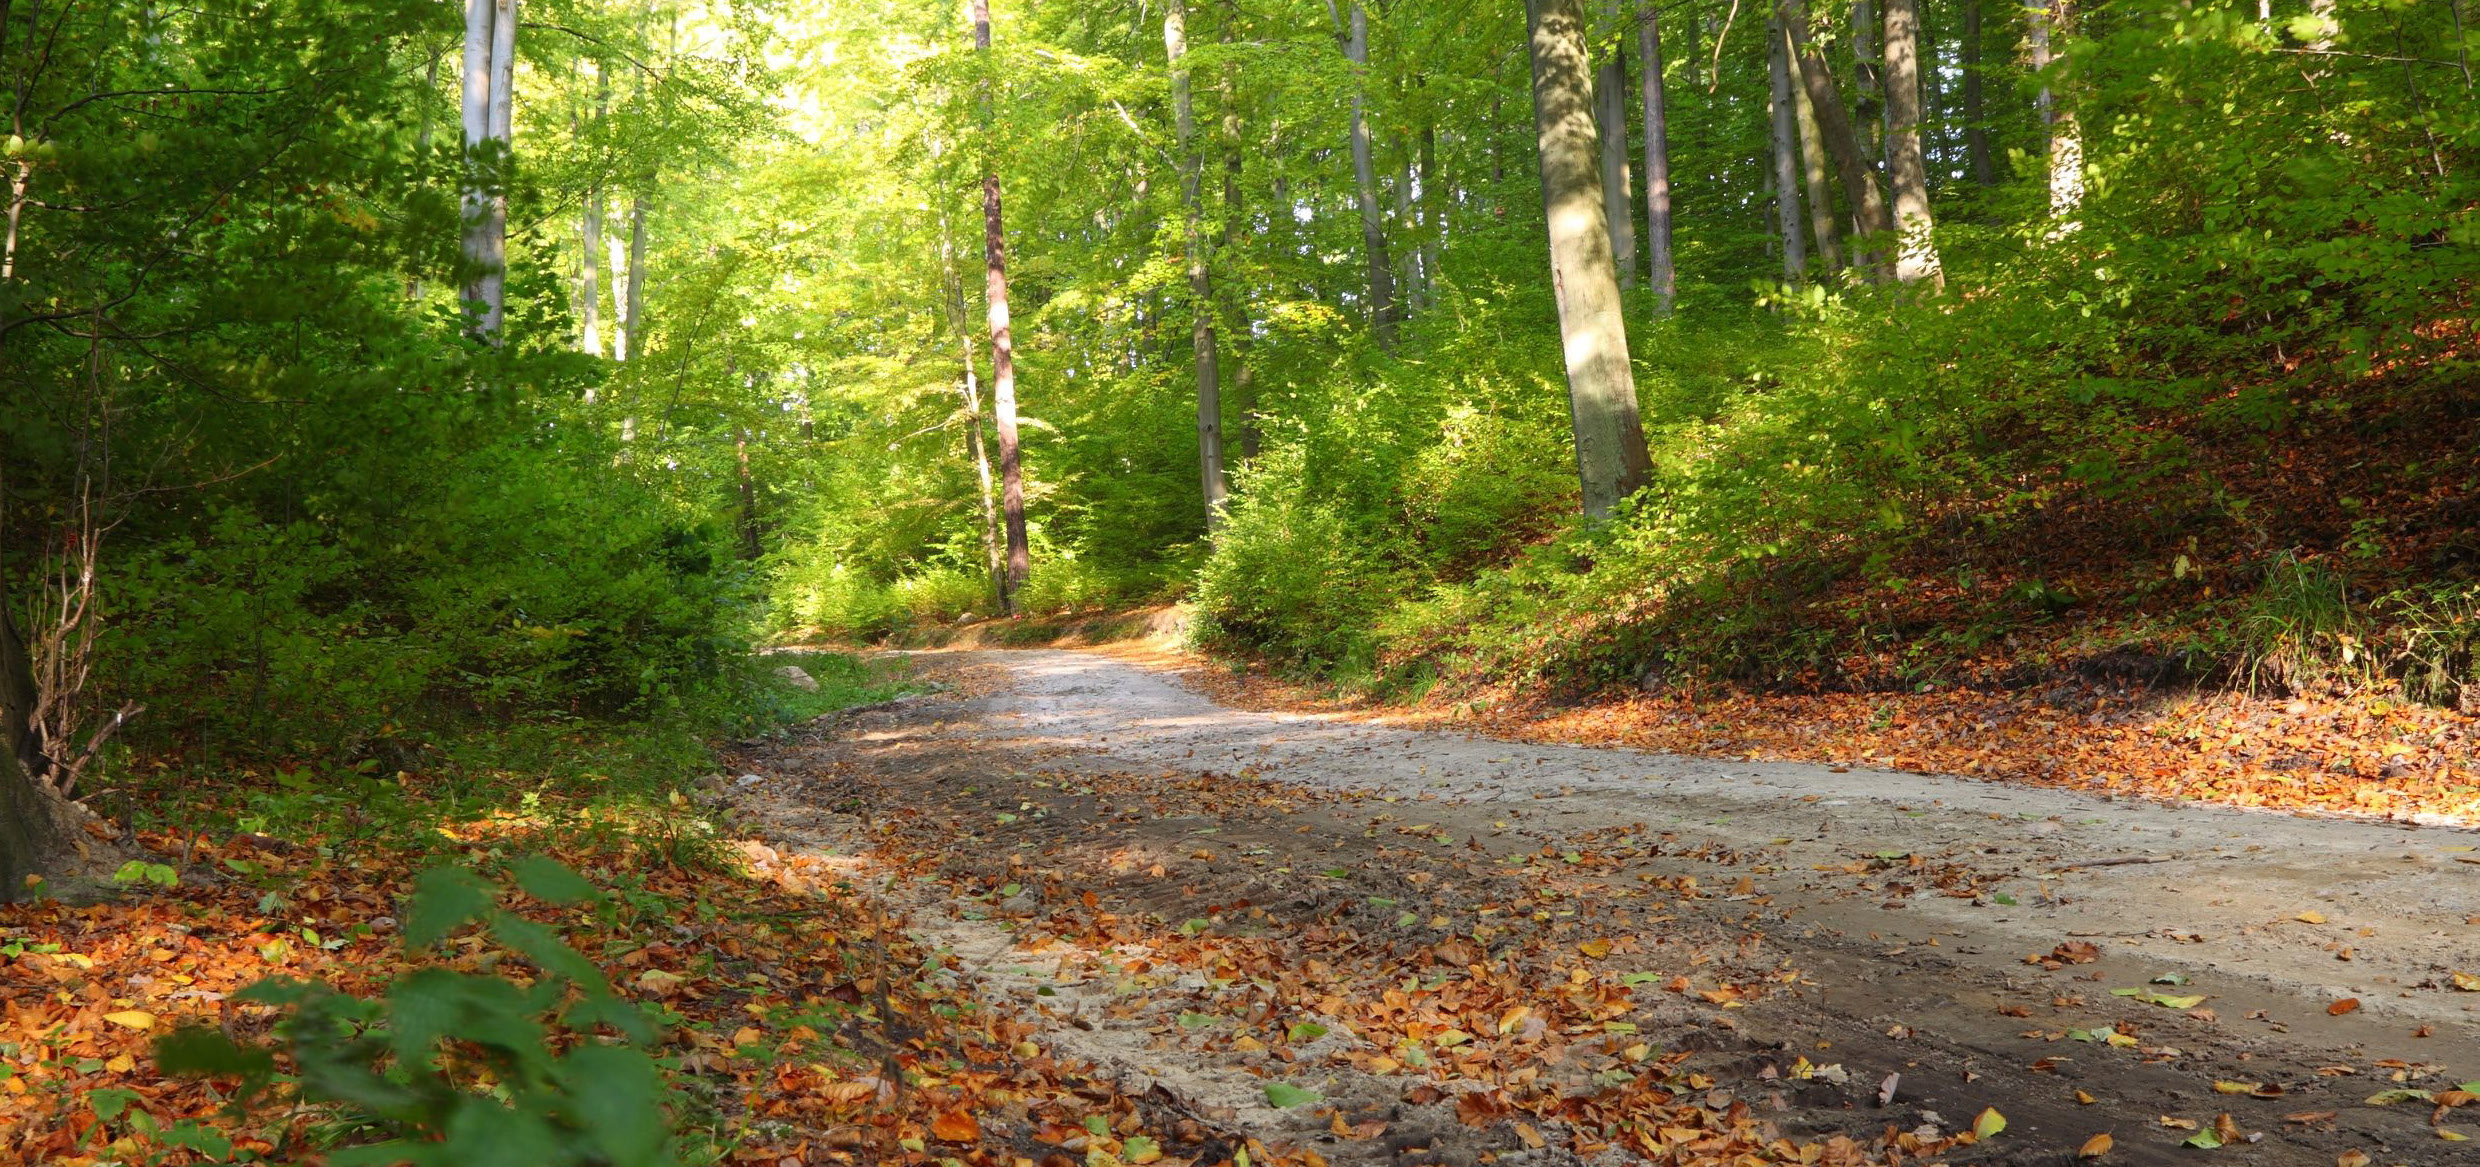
(2345, 1005)
(2096, 1146)
(955, 1126)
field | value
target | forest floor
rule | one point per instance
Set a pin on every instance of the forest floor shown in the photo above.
(1337, 941)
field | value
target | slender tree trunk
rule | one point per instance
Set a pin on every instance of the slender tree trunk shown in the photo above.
(1383, 312)
(1002, 337)
(502, 121)
(480, 165)
(952, 289)
(1433, 215)
(1611, 460)
(1610, 115)
(590, 276)
(1200, 283)
(1235, 220)
(1975, 116)
(1785, 153)
(1657, 159)
(1868, 91)
(1916, 257)
(2066, 145)
(1408, 248)
(2036, 55)
(752, 546)
(1859, 182)
(1813, 179)
(633, 308)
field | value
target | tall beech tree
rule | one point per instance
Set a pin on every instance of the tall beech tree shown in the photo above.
(1610, 115)
(1784, 152)
(1874, 223)
(1916, 257)
(1002, 335)
(1201, 306)
(1611, 460)
(1383, 310)
(1658, 235)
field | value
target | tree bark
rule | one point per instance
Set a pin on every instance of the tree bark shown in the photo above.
(1002, 338)
(1610, 116)
(1657, 160)
(1916, 257)
(33, 831)
(1813, 179)
(1868, 206)
(1868, 91)
(1433, 212)
(633, 307)
(1200, 283)
(590, 277)
(1611, 460)
(479, 163)
(1383, 311)
(1785, 136)
(1243, 328)
(1975, 116)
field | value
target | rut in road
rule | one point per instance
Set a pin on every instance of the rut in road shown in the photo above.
(1377, 945)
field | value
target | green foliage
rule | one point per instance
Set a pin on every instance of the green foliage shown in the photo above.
(2301, 629)
(456, 1068)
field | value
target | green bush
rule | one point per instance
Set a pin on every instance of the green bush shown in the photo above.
(1289, 578)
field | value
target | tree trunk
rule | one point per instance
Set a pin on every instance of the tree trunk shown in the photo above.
(1611, 460)
(2066, 146)
(1002, 338)
(480, 165)
(590, 277)
(33, 831)
(1657, 159)
(633, 308)
(1813, 178)
(1610, 116)
(1383, 312)
(1916, 258)
(1868, 101)
(1784, 117)
(494, 280)
(1200, 284)
(952, 286)
(1868, 206)
(2036, 55)
(751, 545)
(1976, 153)
(1433, 216)
(1243, 328)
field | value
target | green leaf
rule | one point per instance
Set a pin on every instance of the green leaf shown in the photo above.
(550, 881)
(1195, 1020)
(108, 1104)
(444, 899)
(1989, 1123)
(618, 1097)
(2204, 1140)
(1304, 1031)
(1284, 1095)
(2171, 979)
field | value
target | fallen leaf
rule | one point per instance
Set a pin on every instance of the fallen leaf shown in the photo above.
(1989, 1123)
(132, 1018)
(1531, 1136)
(2353, 1158)
(2311, 1116)
(2234, 1087)
(2310, 917)
(2345, 1005)
(1284, 1095)
(2096, 1146)
(2467, 982)
(2085, 1097)
(1596, 949)
(955, 1126)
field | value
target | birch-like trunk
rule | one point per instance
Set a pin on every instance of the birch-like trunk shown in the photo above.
(1002, 337)
(1657, 159)
(1234, 221)
(474, 202)
(1827, 237)
(1383, 312)
(1916, 257)
(1868, 91)
(501, 135)
(1611, 461)
(590, 238)
(1785, 142)
(1200, 282)
(633, 308)
(1610, 117)
(1433, 216)
(1868, 205)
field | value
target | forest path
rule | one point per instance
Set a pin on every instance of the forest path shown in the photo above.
(1424, 927)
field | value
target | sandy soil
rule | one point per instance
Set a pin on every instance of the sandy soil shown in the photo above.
(1897, 923)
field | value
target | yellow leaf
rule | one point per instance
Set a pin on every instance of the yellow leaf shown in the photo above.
(2085, 1098)
(1452, 1038)
(2467, 982)
(1531, 1136)
(1596, 949)
(2234, 1087)
(2353, 1158)
(748, 1035)
(121, 1064)
(133, 1018)
(1508, 1021)
(1989, 1123)
(2096, 1146)
(2452, 1136)
(2310, 917)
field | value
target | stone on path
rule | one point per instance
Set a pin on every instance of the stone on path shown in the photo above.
(796, 677)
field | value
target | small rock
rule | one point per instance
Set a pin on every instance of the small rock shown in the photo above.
(749, 780)
(798, 678)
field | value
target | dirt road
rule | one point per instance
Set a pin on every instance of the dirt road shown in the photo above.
(1469, 950)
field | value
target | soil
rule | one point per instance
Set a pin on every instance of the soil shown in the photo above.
(1481, 951)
